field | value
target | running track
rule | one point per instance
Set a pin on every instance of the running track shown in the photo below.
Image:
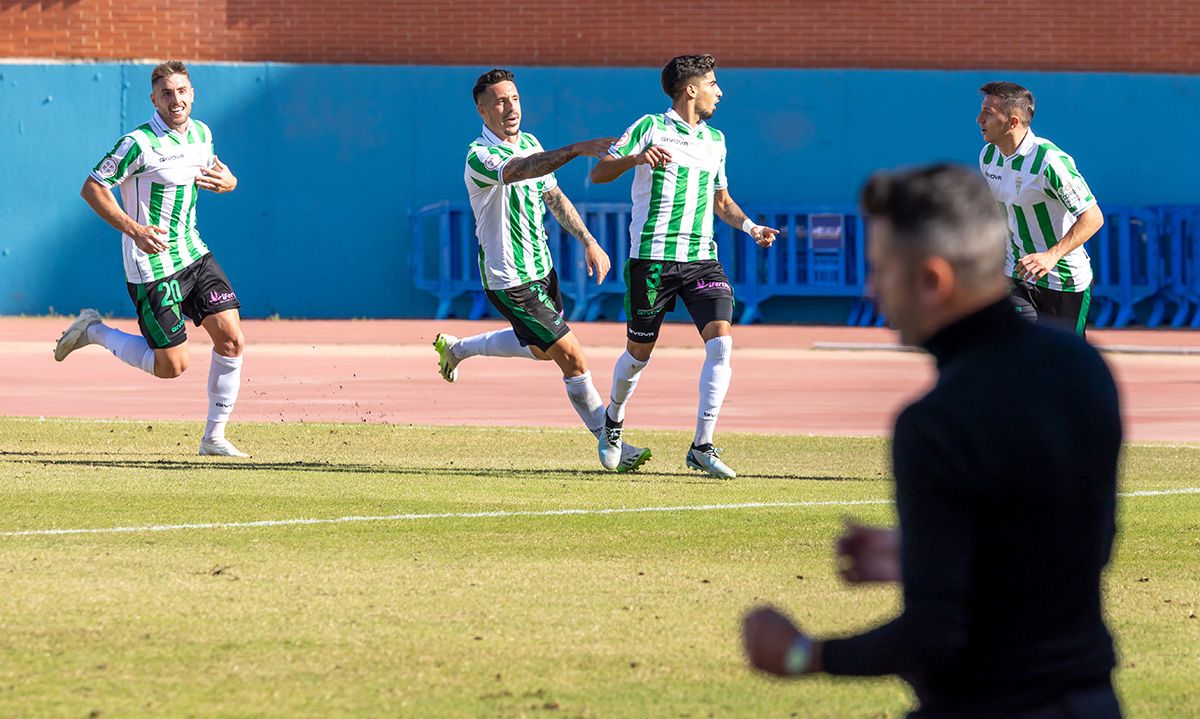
(386, 371)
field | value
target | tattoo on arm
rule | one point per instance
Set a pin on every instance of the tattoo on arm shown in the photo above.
(567, 216)
(536, 165)
(728, 210)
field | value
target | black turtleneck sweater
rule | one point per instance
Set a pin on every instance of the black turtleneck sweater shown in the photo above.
(1006, 494)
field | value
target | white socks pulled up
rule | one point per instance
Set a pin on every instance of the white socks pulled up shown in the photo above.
(714, 383)
(224, 381)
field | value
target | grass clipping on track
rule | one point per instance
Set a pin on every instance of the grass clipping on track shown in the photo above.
(611, 615)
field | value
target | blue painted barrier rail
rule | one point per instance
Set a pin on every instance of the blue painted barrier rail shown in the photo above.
(1146, 261)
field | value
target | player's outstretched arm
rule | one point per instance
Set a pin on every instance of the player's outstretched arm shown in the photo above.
(610, 168)
(733, 216)
(102, 202)
(568, 217)
(543, 163)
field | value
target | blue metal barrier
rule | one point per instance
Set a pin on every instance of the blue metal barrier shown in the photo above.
(1180, 232)
(820, 252)
(1126, 264)
(1140, 256)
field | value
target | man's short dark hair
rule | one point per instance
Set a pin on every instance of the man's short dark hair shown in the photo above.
(1015, 99)
(167, 69)
(942, 210)
(489, 78)
(681, 70)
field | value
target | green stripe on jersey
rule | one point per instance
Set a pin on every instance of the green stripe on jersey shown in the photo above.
(156, 201)
(678, 205)
(516, 233)
(701, 217)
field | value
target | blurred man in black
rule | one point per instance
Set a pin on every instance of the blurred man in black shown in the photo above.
(1005, 484)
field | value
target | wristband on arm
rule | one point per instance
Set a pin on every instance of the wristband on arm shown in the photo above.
(748, 226)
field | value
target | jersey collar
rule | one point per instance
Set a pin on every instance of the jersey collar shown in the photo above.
(1027, 145)
(672, 115)
(493, 139)
(161, 127)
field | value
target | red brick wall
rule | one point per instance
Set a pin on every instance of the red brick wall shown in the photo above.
(1111, 35)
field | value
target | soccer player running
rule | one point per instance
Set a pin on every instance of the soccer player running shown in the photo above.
(679, 182)
(1051, 212)
(160, 167)
(510, 180)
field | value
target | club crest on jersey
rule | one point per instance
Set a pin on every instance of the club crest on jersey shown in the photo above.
(108, 168)
(1018, 183)
(624, 140)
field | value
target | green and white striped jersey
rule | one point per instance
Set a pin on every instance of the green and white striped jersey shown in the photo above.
(672, 204)
(1042, 194)
(157, 168)
(508, 217)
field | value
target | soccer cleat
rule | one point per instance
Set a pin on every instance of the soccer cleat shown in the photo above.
(633, 458)
(219, 448)
(76, 335)
(609, 443)
(707, 458)
(447, 362)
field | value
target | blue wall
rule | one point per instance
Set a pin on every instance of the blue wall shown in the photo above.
(331, 158)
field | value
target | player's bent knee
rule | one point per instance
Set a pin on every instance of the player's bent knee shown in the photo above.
(165, 368)
(231, 346)
(640, 351)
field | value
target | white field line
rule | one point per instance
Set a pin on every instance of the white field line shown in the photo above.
(498, 513)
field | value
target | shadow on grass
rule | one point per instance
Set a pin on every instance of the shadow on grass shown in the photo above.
(130, 461)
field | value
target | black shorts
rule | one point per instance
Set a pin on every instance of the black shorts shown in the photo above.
(651, 287)
(197, 291)
(535, 310)
(1066, 310)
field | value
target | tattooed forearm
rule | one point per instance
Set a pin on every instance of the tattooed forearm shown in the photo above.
(567, 216)
(728, 210)
(536, 165)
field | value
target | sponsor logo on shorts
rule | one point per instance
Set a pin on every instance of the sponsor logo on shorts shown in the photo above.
(650, 312)
(215, 297)
(558, 320)
(702, 286)
(179, 326)
(638, 333)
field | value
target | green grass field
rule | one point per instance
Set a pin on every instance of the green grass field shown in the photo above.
(587, 615)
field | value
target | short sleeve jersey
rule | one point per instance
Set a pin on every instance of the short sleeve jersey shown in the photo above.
(156, 169)
(672, 203)
(508, 216)
(1042, 194)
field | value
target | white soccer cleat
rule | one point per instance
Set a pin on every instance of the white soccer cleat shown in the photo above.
(447, 362)
(707, 458)
(632, 458)
(219, 448)
(76, 335)
(609, 444)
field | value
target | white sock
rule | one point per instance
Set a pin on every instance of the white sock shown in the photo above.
(501, 343)
(587, 401)
(133, 350)
(626, 373)
(714, 383)
(224, 381)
